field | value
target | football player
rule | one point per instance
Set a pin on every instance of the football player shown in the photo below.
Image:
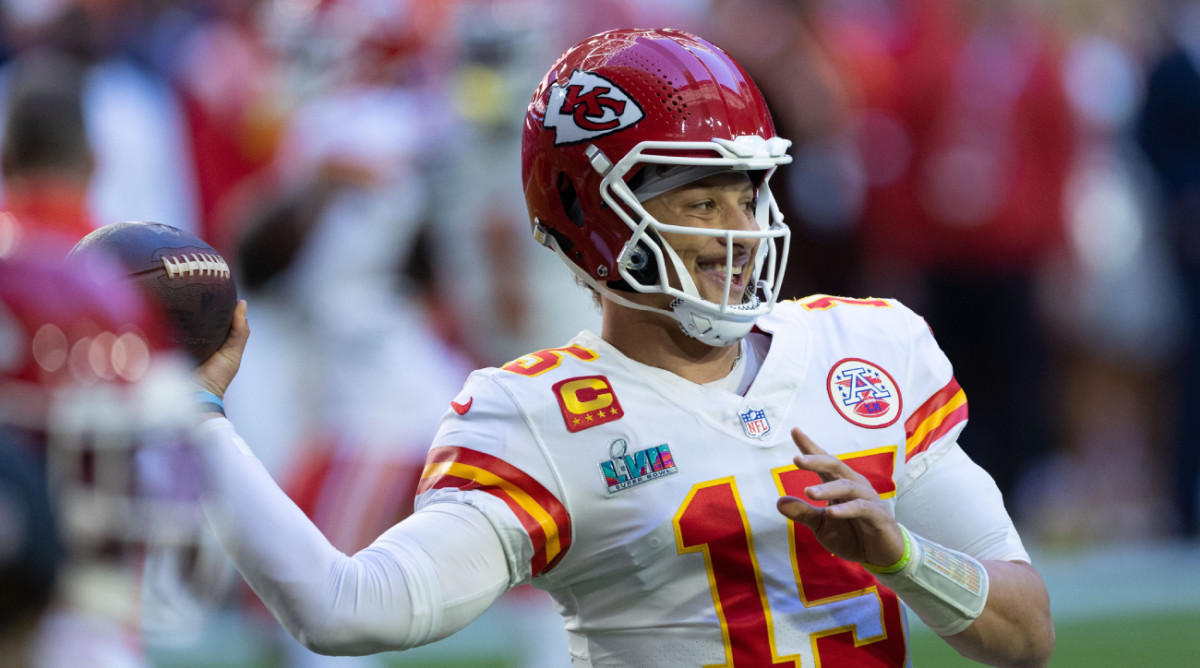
(647, 475)
(91, 392)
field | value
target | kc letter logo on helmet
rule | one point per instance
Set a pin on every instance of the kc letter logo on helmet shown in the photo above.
(589, 106)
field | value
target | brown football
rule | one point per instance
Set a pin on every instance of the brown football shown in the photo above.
(180, 275)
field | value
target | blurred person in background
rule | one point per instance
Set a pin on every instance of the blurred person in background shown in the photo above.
(649, 554)
(89, 390)
(220, 58)
(46, 166)
(142, 165)
(30, 551)
(1107, 479)
(478, 235)
(46, 162)
(1170, 137)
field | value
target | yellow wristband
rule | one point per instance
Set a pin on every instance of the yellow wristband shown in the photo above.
(899, 565)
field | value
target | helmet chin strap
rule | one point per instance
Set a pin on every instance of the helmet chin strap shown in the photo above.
(702, 324)
(724, 330)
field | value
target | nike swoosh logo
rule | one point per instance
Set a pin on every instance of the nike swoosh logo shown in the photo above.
(462, 409)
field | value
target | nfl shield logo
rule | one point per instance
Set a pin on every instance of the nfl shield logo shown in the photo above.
(755, 423)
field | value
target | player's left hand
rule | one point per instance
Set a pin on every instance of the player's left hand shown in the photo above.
(856, 524)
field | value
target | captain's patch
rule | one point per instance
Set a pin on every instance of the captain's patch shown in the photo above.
(587, 401)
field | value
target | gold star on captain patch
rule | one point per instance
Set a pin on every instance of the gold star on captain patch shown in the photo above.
(588, 417)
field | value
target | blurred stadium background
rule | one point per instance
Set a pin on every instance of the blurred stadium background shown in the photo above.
(1019, 171)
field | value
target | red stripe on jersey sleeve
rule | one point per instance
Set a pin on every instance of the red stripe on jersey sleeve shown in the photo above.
(544, 518)
(943, 411)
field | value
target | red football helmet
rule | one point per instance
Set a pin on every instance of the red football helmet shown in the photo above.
(625, 99)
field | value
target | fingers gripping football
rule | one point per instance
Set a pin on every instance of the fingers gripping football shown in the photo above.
(854, 523)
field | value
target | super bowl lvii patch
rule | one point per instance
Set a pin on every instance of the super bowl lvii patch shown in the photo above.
(623, 469)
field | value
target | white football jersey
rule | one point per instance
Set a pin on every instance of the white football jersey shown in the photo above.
(646, 504)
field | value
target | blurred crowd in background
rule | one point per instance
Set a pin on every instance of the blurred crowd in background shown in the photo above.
(1023, 173)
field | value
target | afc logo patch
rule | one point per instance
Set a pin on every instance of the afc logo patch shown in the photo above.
(864, 393)
(589, 106)
(587, 401)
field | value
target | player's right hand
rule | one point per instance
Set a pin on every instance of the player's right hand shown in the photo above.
(856, 524)
(218, 371)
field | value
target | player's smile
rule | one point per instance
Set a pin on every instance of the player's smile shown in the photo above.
(714, 270)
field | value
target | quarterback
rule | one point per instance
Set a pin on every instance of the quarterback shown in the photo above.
(714, 478)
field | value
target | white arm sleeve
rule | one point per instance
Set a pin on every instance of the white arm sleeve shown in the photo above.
(423, 579)
(947, 498)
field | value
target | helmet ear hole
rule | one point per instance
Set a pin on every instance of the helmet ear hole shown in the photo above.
(639, 258)
(570, 200)
(641, 267)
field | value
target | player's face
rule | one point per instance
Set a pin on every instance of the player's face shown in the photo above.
(724, 202)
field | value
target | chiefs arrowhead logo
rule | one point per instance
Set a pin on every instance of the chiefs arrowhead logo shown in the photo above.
(589, 106)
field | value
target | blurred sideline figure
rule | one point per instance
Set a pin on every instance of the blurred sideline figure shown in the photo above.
(89, 390)
(479, 235)
(30, 551)
(1168, 134)
(1107, 478)
(142, 167)
(47, 162)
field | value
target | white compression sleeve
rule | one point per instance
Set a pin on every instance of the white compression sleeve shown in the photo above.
(420, 581)
(947, 498)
